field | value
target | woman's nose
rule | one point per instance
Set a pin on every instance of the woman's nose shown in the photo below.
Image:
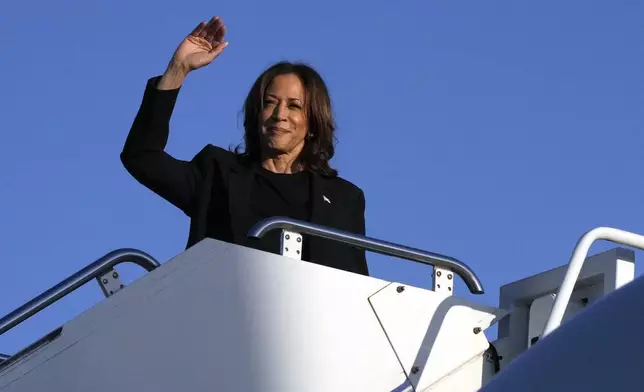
(280, 112)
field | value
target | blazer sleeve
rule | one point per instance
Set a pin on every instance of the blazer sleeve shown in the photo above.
(360, 218)
(361, 228)
(144, 155)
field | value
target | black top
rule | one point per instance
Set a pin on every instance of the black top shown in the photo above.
(224, 196)
(275, 194)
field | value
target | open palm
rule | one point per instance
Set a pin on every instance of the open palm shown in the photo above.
(202, 45)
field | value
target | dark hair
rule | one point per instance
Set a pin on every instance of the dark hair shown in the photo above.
(319, 145)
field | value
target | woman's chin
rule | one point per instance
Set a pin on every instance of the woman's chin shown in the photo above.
(281, 145)
(278, 146)
(274, 149)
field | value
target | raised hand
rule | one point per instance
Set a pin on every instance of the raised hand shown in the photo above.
(197, 50)
(202, 46)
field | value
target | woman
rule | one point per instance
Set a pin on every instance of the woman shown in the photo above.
(284, 170)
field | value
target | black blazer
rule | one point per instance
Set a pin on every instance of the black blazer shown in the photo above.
(213, 189)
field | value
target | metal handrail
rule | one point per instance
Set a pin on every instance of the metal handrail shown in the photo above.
(75, 281)
(371, 244)
(577, 261)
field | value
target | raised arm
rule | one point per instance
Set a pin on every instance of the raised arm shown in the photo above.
(144, 154)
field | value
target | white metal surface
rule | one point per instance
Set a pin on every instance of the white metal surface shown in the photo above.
(469, 376)
(223, 317)
(576, 263)
(537, 316)
(291, 244)
(443, 281)
(601, 274)
(540, 310)
(599, 350)
(435, 335)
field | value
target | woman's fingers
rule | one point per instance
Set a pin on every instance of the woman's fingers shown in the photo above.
(216, 50)
(198, 29)
(205, 30)
(212, 28)
(220, 35)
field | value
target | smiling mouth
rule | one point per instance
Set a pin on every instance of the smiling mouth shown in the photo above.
(276, 130)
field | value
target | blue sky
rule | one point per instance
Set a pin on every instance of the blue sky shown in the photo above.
(497, 132)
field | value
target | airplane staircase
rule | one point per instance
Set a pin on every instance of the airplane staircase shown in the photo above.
(223, 317)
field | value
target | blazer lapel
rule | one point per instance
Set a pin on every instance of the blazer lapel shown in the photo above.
(321, 202)
(321, 212)
(239, 187)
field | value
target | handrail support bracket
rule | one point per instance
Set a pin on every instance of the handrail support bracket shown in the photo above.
(291, 244)
(443, 280)
(110, 282)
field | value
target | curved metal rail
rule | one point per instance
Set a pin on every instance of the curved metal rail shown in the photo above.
(75, 281)
(577, 261)
(371, 244)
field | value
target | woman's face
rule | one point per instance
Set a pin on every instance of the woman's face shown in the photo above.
(283, 120)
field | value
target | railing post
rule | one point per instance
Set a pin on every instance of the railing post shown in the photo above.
(362, 242)
(577, 261)
(75, 281)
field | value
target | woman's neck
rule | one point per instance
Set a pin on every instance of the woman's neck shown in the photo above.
(282, 164)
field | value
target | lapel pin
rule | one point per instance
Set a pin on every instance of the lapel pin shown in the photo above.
(326, 199)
